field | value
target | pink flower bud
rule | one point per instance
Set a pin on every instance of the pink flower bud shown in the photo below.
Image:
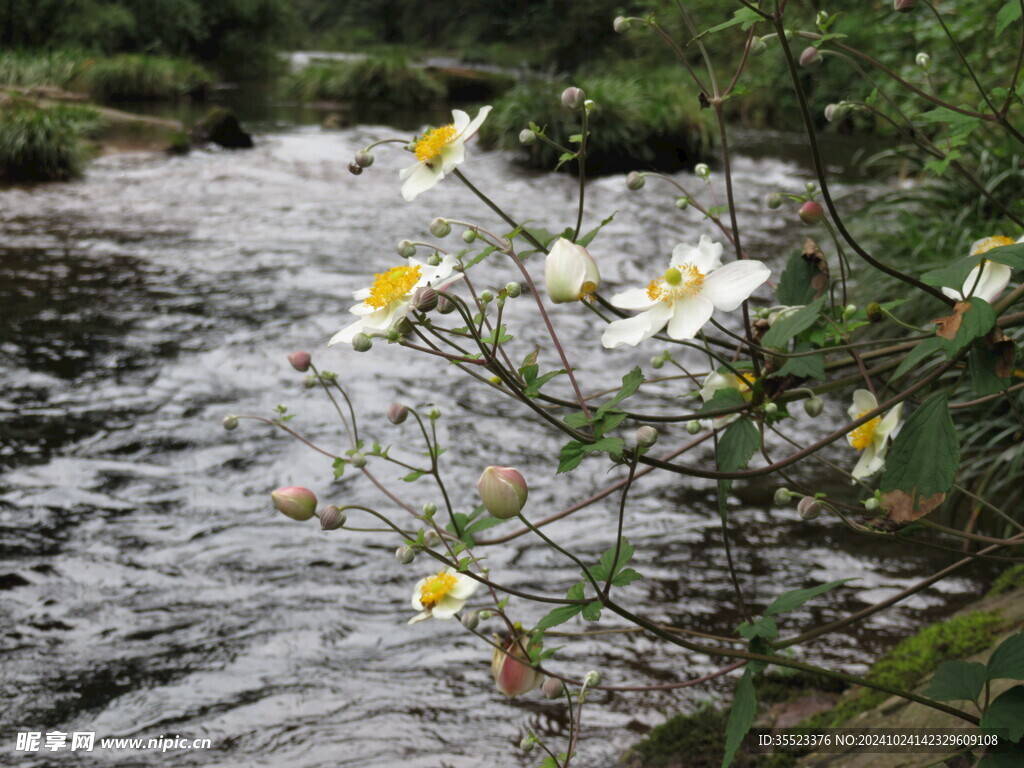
(573, 97)
(397, 413)
(300, 361)
(294, 501)
(552, 688)
(811, 212)
(808, 508)
(513, 677)
(811, 57)
(503, 491)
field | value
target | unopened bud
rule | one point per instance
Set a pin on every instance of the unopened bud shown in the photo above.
(849, 310)
(527, 137)
(682, 202)
(811, 57)
(646, 436)
(592, 678)
(874, 312)
(872, 504)
(811, 212)
(486, 296)
(300, 361)
(757, 46)
(361, 342)
(230, 422)
(693, 427)
(405, 249)
(657, 362)
(783, 496)
(431, 539)
(589, 105)
(923, 60)
(469, 236)
(429, 509)
(363, 158)
(397, 413)
(527, 743)
(434, 414)
(573, 97)
(513, 290)
(773, 200)
(423, 299)
(471, 620)
(634, 181)
(503, 491)
(434, 259)
(835, 112)
(621, 24)
(445, 305)
(903, 6)
(440, 228)
(552, 688)
(405, 555)
(354, 169)
(808, 508)
(331, 518)
(702, 170)
(295, 502)
(393, 335)
(813, 406)
(821, 19)
(358, 460)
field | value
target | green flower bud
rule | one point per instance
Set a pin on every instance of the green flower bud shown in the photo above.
(874, 312)
(773, 200)
(923, 60)
(440, 228)
(693, 427)
(783, 496)
(423, 299)
(872, 505)
(431, 539)
(757, 46)
(471, 620)
(361, 342)
(405, 555)
(393, 335)
(527, 743)
(433, 259)
(469, 236)
(358, 460)
(331, 518)
(429, 509)
(621, 24)
(592, 678)
(405, 249)
(513, 290)
(363, 158)
(657, 362)
(646, 436)
(310, 381)
(702, 170)
(486, 296)
(434, 414)
(682, 202)
(634, 181)
(771, 408)
(813, 406)
(527, 137)
(230, 422)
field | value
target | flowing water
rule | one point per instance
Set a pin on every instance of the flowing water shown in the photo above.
(148, 589)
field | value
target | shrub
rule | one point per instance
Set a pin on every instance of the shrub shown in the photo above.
(383, 80)
(43, 144)
(29, 70)
(136, 77)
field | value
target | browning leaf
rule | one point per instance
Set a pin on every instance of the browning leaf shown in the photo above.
(906, 508)
(949, 325)
(816, 259)
(1003, 346)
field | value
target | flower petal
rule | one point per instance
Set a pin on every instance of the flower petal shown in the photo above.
(731, 285)
(464, 587)
(863, 401)
(474, 126)
(867, 464)
(461, 121)
(994, 278)
(345, 335)
(447, 607)
(417, 592)
(706, 256)
(633, 330)
(419, 178)
(633, 298)
(689, 316)
(452, 155)
(423, 616)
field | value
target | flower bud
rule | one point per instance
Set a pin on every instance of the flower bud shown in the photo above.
(469, 236)
(646, 436)
(872, 505)
(702, 170)
(658, 361)
(527, 137)
(757, 46)
(434, 259)
(693, 427)
(361, 342)
(513, 290)
(773, 200)
(573, 97)
(923, 60)
(503, 491)
(423, 299)
(771, 408)
(808, 508)
(512, 673)
(811, 212)
(440, 228)
(445, 305)
(592, 678)
(486, 296)
(354, 169)
(811, 57)
(358, 460)
(552, 688)
(405, 249)
(295, 502)
(570, 273)
(405, 555)
(471, 620)
(634, 181)
(527, 743)
(331, 518)
(230, 422)
(300, 361)
(434, 413)
(589, 105)
(682, 202)
(363, 158)
(621, 24)
(874, 312)
(431, 539)
(834, 112)
(393, 335)
(783, 496)
(821, 19)
(903, 6)
(397, 413)
(429, 509)
(813, 406)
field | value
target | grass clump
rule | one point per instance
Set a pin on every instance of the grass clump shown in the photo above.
(1010, 579)
(138, 77)
(651, 123)
(30, 70)
(385, 81)
(44, 143)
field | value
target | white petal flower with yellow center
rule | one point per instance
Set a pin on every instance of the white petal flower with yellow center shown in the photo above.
(683, 298)
(441, 595)
(438, 151)
(872, 437)
(387, 300)
(570, 273)
(715, 381)
(993, 277)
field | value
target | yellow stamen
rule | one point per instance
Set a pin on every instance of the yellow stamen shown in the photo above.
(436, 587)
(391, 285)
(862, 436)
(987, 244)
(433, 141)
(677, 283)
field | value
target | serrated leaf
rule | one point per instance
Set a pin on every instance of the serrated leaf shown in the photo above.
(778, 335)
(970, 320)
(923, 461)
(808, 367)
(592, 611)
(1005, 715)
(574, 451)
(576, 591)
(737, 445)
(630, 384)
(724, 398)
(922, 351)
(1008, 14)
(339, 467)
(790, 601)
(533, 387)
(804, 278)
(608, 422)
(626, 576)
(1007, 661)
(603, 569)
(741, 716)
(558, 616)
(766, 628)
(983, 366)
(744, 16)
(957, 681)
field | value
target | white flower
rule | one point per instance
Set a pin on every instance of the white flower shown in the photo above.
(716, 381)
(438, 151)
(994, 277)
(387, 300)
(441, 595)
(872, 437)
(694, 286)
(570, 273)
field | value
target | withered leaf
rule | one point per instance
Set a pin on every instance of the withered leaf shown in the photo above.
(816, 259)
(904, 507)
(1002, 345)
(949, 325)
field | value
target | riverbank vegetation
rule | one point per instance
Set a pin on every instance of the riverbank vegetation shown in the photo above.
(383, 80)
(43, 143)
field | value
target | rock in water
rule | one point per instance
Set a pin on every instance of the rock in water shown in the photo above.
(221, 127)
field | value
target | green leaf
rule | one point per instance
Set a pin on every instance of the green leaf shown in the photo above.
(604, 567)
(959, 123)
(626, 576)
(608, 422)
(1007, 661)
(737, 445)
(723, 399)
(533, 387)
(559, 616)
(766, 628)
(809, 367)
(957, 681)
(925, 456)
(778, 335)
(574, 451)
(1005, 715)
(795, 287)
(982, 365)
(790, 601)
(745, 16)
(413, 476)
(587, 238)
(741, 716)
(924, 350)
(954, 275)
(1008, 14)
(592, 611)
(974, 323)
(481, 256)
(630, 384)
(339, 467)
